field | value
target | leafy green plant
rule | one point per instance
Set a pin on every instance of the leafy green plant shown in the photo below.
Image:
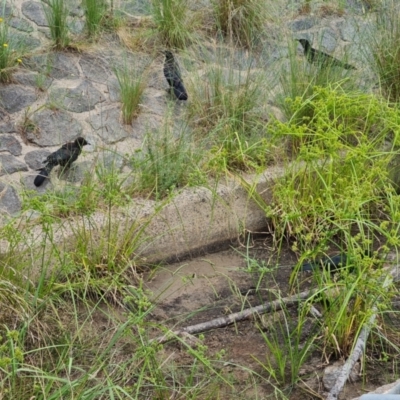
(241, 21)
(170, 17)
(56, 12)
(10, 52)
(132, 82)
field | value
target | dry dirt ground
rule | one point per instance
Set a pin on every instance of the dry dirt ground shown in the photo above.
(215, 285)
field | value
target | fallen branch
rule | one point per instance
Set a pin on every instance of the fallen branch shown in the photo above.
(359, 346)
(235, 317)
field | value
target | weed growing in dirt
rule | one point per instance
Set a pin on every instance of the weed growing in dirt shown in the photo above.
(11, 51)
(56, 12)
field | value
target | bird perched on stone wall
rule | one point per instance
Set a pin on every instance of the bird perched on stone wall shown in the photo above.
(64, 157)
(320, 58)
(173, 75)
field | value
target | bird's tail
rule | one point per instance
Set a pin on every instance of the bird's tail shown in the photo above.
(41, 177)
(180, 91)
(309, 267)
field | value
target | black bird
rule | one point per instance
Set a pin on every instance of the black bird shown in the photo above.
(328, 263)
(319, 57)
(64, 156)
(173, 75)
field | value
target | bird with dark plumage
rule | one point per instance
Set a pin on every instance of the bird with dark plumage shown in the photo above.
(320, 58)
(173, 75)
(328, 263)
(64, 157)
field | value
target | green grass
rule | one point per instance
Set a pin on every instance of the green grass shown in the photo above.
(132, 82)
(383, 51)
(56, 12)
(95, 12)
(241, 21)
(10, 53)
(171, 20)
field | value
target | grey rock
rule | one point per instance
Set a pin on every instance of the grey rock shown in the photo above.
(302, 24)
(56, 65)
(11, 144)
(76, 26)
(6, 126)
(146, 123)
(20, 24)
(6, 11)
(110, 161)
(113, 89)
(34, 79)
(136, 7)
(54, 128)
(348, 29)
(34, 11)
(108, 125)
(82, 98)
(27, 182)
(23, 40)
(9, 164)
(94, 69)
(77, 172)
(15, 97)
(328, 40)
(9, 200)
(35, 158)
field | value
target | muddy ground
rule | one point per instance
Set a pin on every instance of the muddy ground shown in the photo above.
(214, 285)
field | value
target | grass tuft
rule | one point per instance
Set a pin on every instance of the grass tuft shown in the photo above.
(56, 12)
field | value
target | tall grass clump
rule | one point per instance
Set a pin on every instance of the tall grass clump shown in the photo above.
(10, 53)
(166, 163)
(132, 82)
(241, 21)
(95, 12)
(298, 80)
(171, 19)
(383, 50)
(56, 12)
(226, 110)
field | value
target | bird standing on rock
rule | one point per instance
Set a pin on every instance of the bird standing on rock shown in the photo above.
(319, 57)
(173, 75)
(64, 157)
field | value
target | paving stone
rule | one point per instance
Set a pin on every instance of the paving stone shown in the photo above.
(34, 159)
(94, 69)
(108, 125)
(54, 128)
(33, 10)
(110, 161)
(9, 164)
(20, 24)
(5, 11)
(27, 182)
(56, 65)
(11, 144)
(9, 200)
(328, 40)
(82, 98)
(23, 40)
(302, 24)
(34, 79)
(6, 125)
(16, 97)
(76, 26)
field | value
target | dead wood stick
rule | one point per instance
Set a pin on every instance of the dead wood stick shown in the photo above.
(359, 346)
(235, 317)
